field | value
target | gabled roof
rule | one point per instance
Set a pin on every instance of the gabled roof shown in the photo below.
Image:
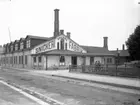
(21, 39)
(16, 41)
(122, 52)
(11, 43)
(72, 41)
(92, 49)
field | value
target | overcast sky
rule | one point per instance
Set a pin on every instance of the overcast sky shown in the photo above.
(87, 20)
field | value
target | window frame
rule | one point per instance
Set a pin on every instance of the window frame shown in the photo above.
(62, 60)
(34, 59)
(39, 59)
(28, 44)
(109, 60)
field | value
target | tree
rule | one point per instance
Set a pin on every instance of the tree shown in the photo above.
(133, 44)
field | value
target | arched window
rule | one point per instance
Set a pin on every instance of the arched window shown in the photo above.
(62, 44)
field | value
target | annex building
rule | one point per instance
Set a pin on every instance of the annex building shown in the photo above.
(58, 51)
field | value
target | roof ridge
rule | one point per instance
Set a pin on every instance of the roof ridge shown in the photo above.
(91, 46)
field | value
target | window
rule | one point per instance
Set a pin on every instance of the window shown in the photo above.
(11, 48)
(34, 59)
(16, 59)
(62, 44)
(39, 59)
(66, 46)
(91, 60)
(21, 45)
(57, 45)
(28, 44)
(21, 59)
(26, 59)
(62, 60)
(109, 60)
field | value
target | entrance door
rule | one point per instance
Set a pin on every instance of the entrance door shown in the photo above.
(74, 60)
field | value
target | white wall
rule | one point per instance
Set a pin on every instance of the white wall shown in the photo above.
(52, 61)
(87, 60)
(67, 60)
(29, 59)
(44, 62)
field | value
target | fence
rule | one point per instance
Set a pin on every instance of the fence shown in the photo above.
(112, 70)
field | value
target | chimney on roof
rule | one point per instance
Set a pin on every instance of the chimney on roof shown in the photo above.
(56, 22)
(123, 47)
(68, 34)
(61, 32)
(106, 42)
(117, 49)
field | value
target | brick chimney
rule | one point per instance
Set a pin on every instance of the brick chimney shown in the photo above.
(123, 47)
(68, 34)
(61, 32)
(106, 42)
(56, 22)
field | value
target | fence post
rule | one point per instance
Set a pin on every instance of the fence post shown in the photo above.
(125, 68)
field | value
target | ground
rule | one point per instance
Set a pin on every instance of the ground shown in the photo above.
(68, 92)
(9, 96)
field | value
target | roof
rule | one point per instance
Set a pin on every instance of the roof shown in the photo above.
(122, 52)
(21, 39)
(39, 37)
(92, 49)
(16, 41)
(67, 52)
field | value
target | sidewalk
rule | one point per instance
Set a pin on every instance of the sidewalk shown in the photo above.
(132, 83)
(103, 79)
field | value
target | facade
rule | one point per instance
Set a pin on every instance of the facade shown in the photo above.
(58, 51)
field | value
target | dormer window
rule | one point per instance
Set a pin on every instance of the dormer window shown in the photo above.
(21, 45)
(16, 47)
(12, 48)
(28, 44)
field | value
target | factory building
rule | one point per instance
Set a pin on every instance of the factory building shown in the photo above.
(58, 51)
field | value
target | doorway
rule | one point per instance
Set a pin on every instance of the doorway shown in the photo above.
(74, 60)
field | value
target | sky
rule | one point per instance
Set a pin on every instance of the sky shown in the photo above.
(87, 20)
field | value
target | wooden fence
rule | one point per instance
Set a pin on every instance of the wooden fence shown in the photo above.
(112, 70)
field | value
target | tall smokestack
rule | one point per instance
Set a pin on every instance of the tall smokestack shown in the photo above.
(106, 42)
(56, 22)
(123, 47)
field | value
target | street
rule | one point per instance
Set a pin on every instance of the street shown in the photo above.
(64, 92)
(9, 96)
